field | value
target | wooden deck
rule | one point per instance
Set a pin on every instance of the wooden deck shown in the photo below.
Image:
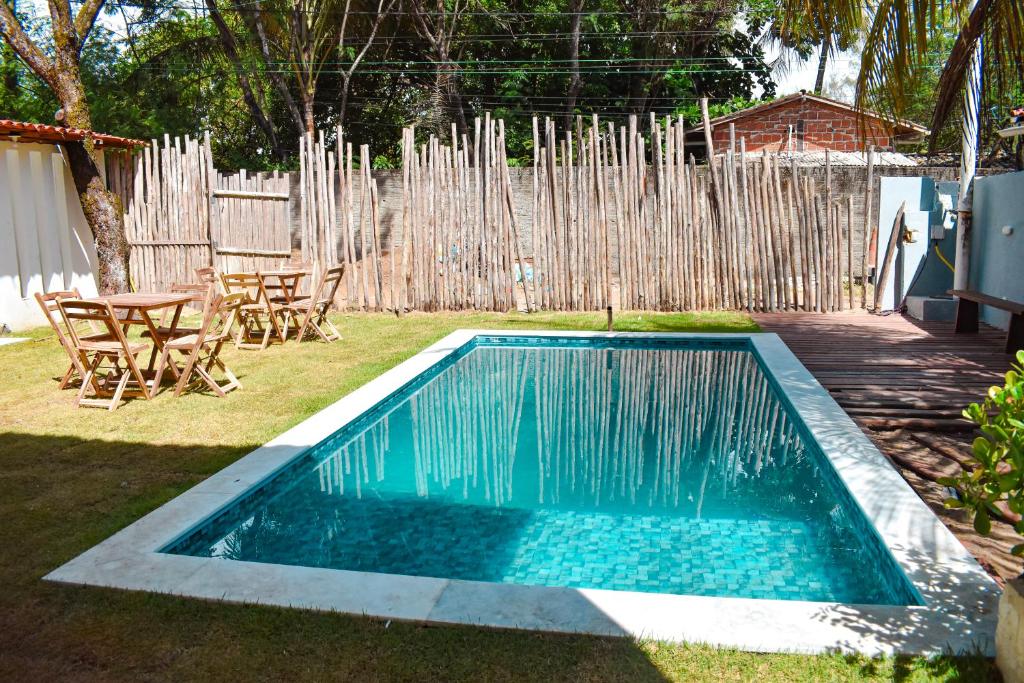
(905, 382)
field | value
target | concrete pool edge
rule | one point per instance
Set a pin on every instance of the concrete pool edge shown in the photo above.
(961, 599)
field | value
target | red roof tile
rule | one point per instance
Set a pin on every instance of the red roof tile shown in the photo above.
(41, 132)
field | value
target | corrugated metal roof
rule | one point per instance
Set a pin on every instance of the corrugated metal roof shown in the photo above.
(817, 158)
(41, 132)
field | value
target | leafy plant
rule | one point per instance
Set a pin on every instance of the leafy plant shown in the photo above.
(996, 475)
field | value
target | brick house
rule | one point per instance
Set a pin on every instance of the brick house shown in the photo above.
(806, 123)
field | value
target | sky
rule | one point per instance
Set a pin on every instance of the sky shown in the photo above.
(840, 73)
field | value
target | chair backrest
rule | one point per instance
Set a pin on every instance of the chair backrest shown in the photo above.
(201, 292)
(221, 316)
(328, 285)
(100, 314)
(250, 284)
(207, 275)
(49, 303)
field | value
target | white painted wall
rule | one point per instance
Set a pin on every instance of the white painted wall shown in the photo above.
(45, 243)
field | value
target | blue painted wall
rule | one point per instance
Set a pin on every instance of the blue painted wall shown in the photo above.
(997, 260)
(933, 277)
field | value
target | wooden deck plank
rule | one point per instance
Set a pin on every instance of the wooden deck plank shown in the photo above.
(905, 382)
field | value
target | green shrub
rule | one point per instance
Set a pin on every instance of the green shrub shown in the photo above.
(996, 473)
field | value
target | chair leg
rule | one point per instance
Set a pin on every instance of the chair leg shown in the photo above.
(266, 337)
(210, 381)
(66, 379)
(186, 373)
(335, 332)
(115, 400)
(165, 358)
(300, 336)
(233, 382)
(272, 320)
(87, 381)
(243, 325)
(315, 324)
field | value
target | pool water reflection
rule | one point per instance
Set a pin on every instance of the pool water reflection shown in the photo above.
(643, 466)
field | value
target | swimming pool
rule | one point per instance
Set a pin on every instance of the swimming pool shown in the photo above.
(620, 483)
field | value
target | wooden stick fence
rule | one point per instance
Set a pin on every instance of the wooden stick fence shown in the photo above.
(166, 212)
(461, 241)
(620, 219)
(618, 216)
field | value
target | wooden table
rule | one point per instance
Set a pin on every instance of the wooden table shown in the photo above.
(137, 307)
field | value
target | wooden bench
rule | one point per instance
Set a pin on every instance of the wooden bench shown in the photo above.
(967, 315)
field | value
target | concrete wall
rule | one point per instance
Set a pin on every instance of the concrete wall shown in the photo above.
(997, 260)
(846, 180)
(45, 243)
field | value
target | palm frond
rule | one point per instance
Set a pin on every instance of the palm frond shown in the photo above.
(999, 25)
(814, 20)
(895, 48)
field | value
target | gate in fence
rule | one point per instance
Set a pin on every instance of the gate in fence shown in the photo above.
(180, 214)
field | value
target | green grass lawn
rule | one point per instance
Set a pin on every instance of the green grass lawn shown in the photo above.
(70, 478)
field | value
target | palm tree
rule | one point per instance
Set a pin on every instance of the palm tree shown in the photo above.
(988, 32)
(899, 40)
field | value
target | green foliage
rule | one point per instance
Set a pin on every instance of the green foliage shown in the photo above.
(996, 476)
(169, 72)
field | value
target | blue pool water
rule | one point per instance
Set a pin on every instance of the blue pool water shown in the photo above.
(641, 465)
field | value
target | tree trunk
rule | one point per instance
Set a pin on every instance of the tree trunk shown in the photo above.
(307, 112)
(254, 20)
(346, 80)
(455, 102)
(102, 208)
(61, 71)
(230, 47)
(819, 80)
(104, 214)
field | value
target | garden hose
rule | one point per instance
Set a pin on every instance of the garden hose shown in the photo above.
(942, 258)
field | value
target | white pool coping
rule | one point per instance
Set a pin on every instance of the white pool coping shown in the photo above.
(959, 615)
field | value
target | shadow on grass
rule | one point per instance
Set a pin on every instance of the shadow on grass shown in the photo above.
(61, 495)
(968, 667)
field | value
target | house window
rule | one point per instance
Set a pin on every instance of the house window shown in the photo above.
(800, 132)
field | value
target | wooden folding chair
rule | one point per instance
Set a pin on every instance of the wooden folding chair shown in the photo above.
(259, 317)
(108, 353)
(313, 311)
(202, 294)
(48, 302)
(202, 349)
(207, 275)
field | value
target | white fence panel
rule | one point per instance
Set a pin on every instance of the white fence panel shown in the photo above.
(45, 243)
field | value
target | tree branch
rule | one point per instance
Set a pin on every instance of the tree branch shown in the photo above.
(23, 46)
(86, 18)
(254, 19)
(231, 52)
